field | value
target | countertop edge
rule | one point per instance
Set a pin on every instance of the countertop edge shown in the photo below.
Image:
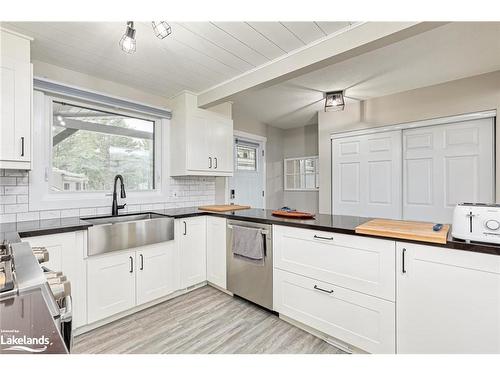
(453, 244)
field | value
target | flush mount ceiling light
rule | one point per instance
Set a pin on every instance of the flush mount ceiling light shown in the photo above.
(334, 101)
(161, 29)
(127, 42)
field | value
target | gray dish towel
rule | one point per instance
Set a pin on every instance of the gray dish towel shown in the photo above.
(248, 242)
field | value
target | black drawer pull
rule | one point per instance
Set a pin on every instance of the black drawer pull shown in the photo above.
(323, 290)
(324, 238)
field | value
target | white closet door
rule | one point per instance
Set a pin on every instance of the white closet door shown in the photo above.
(444, 165)
(367, 175)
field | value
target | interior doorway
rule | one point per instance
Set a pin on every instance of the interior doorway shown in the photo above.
(248, 184)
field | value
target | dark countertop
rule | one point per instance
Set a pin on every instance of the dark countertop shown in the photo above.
(27, 315)
(328, 223)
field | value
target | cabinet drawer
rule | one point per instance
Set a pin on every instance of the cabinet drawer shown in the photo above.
(363, 264)
(363, 321)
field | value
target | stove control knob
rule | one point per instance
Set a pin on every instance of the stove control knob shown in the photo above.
(492, 224)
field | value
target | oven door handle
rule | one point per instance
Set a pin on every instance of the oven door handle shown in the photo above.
(67, 311)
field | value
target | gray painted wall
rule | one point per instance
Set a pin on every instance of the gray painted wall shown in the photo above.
(281, 143)
(300, 142)
(473, 94)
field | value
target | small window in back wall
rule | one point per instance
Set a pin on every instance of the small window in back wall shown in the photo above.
(246, 158)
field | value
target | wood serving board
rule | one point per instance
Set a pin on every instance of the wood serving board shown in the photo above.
(407, 230)
(223, 207)
(293, 214)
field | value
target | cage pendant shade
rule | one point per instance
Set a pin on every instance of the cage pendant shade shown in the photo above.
(127, 42)
(161, 29)
(334, 101)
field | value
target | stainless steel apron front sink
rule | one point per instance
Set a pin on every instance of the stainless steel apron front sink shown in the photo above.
(114, 233)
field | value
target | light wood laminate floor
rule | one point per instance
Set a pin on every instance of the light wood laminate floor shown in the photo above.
(202, 321)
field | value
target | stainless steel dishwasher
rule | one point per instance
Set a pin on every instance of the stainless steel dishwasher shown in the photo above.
(252, 280)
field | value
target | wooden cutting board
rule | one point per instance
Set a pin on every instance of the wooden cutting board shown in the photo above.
(407, 230)
(293, 214)
(223, 207)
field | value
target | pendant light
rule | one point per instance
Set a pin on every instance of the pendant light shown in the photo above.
(127, 42)
(161, 29)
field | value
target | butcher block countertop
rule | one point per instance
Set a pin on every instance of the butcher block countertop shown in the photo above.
(406, 230)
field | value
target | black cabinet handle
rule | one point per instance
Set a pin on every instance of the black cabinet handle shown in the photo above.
(215, 163)
(142, 261)
(185, 228)
(323, 290)
(209, 162)
(131, 264)
(403, 261)
(22, 146)
(324, 238)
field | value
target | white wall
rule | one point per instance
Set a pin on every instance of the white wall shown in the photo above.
(466, 95)
(300, 142)
(85, 81)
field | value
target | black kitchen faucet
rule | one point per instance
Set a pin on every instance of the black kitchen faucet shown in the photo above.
(116, 206)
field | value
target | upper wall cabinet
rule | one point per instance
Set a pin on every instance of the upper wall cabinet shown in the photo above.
(201, 141)
(16, 87)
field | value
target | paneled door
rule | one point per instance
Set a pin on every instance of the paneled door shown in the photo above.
(366, 178)
(444, 165)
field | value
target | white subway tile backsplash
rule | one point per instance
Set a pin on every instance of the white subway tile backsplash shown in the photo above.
(88, 212)
(70, 213)
(15, 208)
(20, 198)
(103, 210)
(28, 216)
(53, 214)
(8, 181)
(8, 199)
(15, 190)
(14, 198)
(7, 218)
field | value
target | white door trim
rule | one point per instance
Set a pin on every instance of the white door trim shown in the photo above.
(261, 140)
(418, 124)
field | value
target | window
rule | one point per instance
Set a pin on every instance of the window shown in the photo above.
(246, 158)
(91, 146)
(302, 173)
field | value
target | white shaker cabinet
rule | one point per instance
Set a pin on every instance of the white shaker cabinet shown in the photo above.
(111, 284)
(190, 234)
(216, 251)
(66, 254)
(448, 301)
(157, 271)
(201, 141)
(16, 87)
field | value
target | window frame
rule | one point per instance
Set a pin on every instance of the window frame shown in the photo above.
(41, 197)
(286, 173)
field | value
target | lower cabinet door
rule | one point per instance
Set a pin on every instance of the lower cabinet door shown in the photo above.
(111, 284)
(216, 251)
(363, 321)
(448, 301)
(156, 271)
(191, 236)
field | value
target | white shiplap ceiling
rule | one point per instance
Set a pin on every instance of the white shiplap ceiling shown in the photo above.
(197, 56)
(453, 51)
